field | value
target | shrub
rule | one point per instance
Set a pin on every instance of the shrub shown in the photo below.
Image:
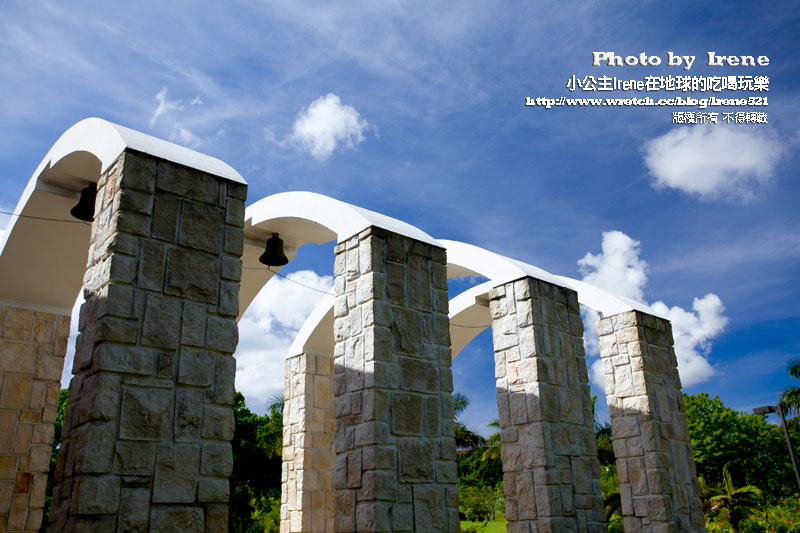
(476, 503)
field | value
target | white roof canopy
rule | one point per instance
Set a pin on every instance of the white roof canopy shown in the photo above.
(42, 262)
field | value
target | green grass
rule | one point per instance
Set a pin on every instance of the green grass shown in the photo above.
(496, 526)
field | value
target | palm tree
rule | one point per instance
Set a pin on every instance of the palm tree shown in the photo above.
(276, 403)
(465, 439)
(706, 493)
(493, 444)
(732, 504)
(460, 402)
(790, 396)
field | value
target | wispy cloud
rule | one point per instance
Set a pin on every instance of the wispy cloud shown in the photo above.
(619, 270)
(185, 137)
(164, 106)
(728, 162)
(327, 124)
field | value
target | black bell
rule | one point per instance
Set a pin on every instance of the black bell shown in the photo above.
(85, 208)
(273, 255)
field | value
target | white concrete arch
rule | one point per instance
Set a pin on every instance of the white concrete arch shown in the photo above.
(301, 217)
(469, 260)
(469, 311)
(471, 308)
(42, 262)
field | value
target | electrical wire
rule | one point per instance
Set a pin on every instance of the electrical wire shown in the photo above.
(248, 268)
(331, 294)
(44, 218)
(298, 283)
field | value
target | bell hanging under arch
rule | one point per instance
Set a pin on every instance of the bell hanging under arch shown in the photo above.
(273, 255)
(84, 210)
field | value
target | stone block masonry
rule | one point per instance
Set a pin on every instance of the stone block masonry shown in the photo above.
(146, 438)
(308, 453)
(32, 348)
(658, 480)
(395, 451)
(549, 452)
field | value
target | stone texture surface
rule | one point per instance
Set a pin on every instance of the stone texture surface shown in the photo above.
(392, 387)
(147, 430)
(307, 498)
(32, 348)
(549, 453)
(658, 480)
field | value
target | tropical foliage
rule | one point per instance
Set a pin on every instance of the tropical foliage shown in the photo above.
(790, 397)
(256, 480)
(733, 503)
(754, 449)
(745, 474)
(465, 438)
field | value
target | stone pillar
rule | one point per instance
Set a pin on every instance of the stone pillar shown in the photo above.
(146, 439)
(395, 450)
(308, 455)
(549, 452)
(658, 480)
(32, 348)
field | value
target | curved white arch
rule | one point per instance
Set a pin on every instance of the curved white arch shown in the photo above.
(469, 311)
(300, 217)
(469, 260)
(604, 302)
(469, 315)
(42, 262)
(316, 333)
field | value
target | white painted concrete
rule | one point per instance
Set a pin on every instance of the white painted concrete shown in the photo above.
(469, 311)
(301, 217)
(42, 262)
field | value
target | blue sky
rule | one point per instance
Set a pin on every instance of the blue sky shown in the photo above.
(416, 110)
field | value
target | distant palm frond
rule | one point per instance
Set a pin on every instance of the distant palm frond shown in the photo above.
(276, 403)
(461, 402)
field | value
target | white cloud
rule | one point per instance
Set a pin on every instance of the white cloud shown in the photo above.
(693, 332)
(266, 331)
(186, 137)
(714, 162)
(164, 105)
(591, 340)
(619, 270)
(327, 124)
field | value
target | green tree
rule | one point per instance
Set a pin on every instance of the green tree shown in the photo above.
(790, 396)
(256, 479)
(754, 448)
(602, 432)
(493, 444)
(476, 503)
(474, 472)
(465, 438)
